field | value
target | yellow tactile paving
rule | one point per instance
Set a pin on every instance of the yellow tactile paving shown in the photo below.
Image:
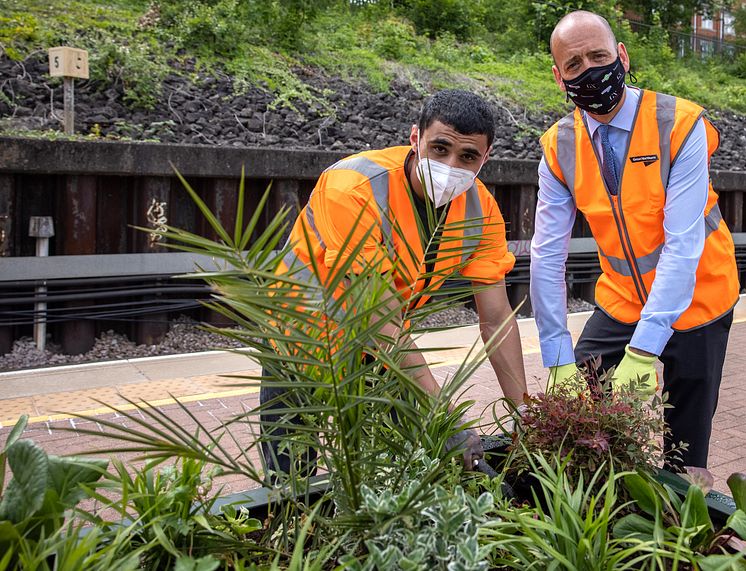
(452, 357)
(74, 400)
(155, 390)
(11, 409)
(118, 402)
(62, 405)
(223, 382)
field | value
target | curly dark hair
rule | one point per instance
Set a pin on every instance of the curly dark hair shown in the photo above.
(466, 112)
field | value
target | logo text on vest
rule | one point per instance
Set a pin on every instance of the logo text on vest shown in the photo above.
(647, 159)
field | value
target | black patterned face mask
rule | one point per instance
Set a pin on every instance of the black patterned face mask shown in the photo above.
(597, 90)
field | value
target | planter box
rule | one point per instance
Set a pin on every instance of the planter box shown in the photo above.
(720, 505)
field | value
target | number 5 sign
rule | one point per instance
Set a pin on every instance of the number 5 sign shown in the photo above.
(68, 63)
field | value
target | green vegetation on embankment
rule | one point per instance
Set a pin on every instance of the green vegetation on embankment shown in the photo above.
(498, 46)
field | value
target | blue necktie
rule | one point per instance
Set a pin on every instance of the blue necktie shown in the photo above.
(609, 168)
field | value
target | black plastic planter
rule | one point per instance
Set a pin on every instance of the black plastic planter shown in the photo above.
(719, 505)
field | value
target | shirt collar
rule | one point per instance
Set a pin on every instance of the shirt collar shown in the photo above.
(624, 119)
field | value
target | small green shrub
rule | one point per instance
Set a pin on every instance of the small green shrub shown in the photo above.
(568, 527)
(213, 28)
(446, 49)
(480, 54)
(413, 527)
(680, 529)
(169, 509)
(43, 488)
(395, 39)
(17, 29)
(434, 18)
(132, 65)
(739, 65)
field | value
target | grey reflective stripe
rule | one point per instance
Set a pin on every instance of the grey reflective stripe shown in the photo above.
(648, 263)
(472, 234)
(312, 224)
(379, 182)
(619, 265)
(566, 150)
(300, 271)
(645, 263)
(712, 220)
(665, 113)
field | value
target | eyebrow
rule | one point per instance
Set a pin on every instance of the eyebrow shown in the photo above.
(447, 143)
(441, 141)
(592, 53)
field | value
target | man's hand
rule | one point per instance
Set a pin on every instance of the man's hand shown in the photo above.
(561, 374)
(638, 368)
(468, 440)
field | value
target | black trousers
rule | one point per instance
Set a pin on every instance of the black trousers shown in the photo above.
(692, 370)
(276, 457)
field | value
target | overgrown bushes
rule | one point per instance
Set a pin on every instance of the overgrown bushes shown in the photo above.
(500, 46)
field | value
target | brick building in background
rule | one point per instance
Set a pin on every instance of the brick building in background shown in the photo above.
(709, 35)
(713, 34)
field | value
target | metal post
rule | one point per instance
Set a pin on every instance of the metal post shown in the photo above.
(41, 228)
(69, 94)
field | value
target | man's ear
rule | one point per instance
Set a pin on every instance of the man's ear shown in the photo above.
(623, 56)
(558, 77)
(414, 137)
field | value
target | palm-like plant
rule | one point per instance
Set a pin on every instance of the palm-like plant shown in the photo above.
(325, 346)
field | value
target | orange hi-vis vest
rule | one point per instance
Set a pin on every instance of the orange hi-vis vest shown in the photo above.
(370, 191)
(628, 227)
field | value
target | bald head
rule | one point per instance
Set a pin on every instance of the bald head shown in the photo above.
(581, 22)
(582, 41)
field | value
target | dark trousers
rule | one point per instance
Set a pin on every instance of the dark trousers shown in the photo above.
(692, 369)
(276, 457)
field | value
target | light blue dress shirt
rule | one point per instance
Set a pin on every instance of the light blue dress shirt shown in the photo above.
(684, 230)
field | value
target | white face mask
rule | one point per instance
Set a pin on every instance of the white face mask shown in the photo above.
(443, 183)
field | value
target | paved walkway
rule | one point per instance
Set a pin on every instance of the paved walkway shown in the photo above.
(210, 387)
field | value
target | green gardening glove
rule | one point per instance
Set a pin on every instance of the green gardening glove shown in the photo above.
(639, 368)
(561, 374)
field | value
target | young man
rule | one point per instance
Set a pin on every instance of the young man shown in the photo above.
(375, 197)
(635, 163)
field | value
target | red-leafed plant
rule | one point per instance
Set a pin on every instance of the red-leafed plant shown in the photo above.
(592, 425)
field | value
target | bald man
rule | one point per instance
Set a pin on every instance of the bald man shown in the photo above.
(635, 163)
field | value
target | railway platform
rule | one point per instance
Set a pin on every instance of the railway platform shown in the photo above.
(211, 387)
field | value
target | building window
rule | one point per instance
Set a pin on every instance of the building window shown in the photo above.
(729, 24)
(706, 48)
(707, 23)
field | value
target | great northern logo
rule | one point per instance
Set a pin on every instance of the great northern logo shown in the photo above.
(646, 159)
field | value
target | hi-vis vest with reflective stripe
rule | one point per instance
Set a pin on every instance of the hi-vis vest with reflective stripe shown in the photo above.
(628, 228)
(377, 181)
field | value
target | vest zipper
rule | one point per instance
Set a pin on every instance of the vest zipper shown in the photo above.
(627, 248)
